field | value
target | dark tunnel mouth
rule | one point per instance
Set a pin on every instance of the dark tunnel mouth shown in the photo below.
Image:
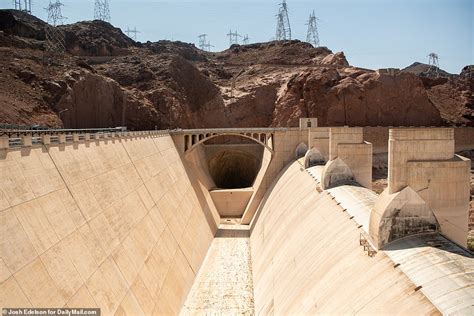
(234, 169)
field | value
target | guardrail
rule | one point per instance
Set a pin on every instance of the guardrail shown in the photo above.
(28, 138)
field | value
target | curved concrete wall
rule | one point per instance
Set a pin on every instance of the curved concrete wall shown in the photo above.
(114, 224)
(306, 258)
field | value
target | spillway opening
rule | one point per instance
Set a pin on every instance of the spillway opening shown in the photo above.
(233, 161)
(234, 169)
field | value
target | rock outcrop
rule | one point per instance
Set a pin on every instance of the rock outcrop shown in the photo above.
(107, 79)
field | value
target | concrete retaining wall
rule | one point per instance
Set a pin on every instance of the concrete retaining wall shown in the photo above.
(109, 223)
(378, 136)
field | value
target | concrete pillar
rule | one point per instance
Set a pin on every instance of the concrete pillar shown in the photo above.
(87, 137)
(61, 138)
(26, 140)
(4, 142)
(75, 138)
(46, 139)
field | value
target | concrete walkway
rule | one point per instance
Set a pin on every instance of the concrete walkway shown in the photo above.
(224, 283)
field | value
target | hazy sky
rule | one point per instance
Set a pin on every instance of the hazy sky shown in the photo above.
(372, 33)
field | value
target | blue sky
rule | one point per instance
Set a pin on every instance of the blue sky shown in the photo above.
(372, 33)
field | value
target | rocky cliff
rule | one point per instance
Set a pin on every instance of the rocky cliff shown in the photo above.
(106, 79)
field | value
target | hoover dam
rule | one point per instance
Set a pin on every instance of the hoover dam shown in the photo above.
(247, 221)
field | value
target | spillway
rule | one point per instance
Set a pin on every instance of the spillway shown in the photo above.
(129, 225)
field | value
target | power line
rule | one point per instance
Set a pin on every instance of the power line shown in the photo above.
(132, 33)
(102, 10)
(246, 40)
(313, 34)
(26, 7)
(283, 31)
(233, 37)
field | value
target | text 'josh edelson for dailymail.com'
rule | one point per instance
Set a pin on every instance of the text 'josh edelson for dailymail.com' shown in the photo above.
(51, 311)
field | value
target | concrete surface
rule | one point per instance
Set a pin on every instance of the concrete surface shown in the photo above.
(113, 223)
(126, 225)
(424, 159)
(224, 284)
(307, 259)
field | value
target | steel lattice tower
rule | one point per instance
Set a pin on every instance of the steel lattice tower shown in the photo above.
(202, 41)
(132, 33)
(102, 10)
(283, 31)
(55, 38)
(433, 62)
(26, 5)
(233, 37)
(246, 40)
(313, 34)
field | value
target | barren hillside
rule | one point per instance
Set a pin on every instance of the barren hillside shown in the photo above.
(106, 79)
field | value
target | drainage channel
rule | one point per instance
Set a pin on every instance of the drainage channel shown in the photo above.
(224, 282)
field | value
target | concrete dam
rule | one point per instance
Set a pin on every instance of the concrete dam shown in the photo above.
(259, 221)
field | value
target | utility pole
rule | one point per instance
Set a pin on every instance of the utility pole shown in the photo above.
(246, 40)
(102, 10)
(313, 35)
(55, 38)
(283, 31)
(233, 37)
(26, 5)
(433, 62)
(132, 33)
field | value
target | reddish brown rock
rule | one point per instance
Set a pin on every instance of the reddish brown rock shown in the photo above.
(368, 99)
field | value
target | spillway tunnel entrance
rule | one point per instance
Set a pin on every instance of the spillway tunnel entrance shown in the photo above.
(234, 169)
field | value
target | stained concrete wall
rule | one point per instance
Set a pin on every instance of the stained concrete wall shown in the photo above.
(306, 258)
(112, 224)
(349, 157)
(424, 160)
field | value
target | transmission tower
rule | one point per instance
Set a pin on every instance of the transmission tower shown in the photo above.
(433, 62)
(208, 46)
(233, 37)
(313, 35)
(246, 40)
(283, 31)
(202, 41)
(26, 7)
(55, 38)
(101, 10)
(132, 33)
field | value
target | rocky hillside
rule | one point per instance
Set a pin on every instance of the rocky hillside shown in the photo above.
(106, 79)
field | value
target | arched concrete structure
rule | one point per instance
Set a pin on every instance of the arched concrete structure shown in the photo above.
(301, 150)
(313, 157)
(261, 139)
(399, 215)
(336, 172)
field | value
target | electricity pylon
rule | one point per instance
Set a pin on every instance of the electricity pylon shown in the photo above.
(233, 37)
(132, 33)
(26, 5)
(433, 62)
(283, 31)
(55, 38)
(313, 34)
(102, 10)
(246, 40)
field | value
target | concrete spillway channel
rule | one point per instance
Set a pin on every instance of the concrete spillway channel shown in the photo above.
(132, 225)
(224, 283)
